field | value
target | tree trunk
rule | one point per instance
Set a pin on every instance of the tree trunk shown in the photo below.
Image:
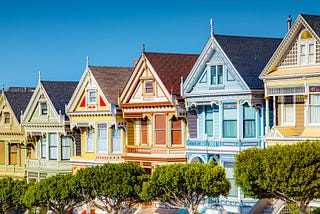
(303, 207)
(191, 209)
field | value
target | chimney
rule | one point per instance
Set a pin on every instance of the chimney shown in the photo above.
(289, 22)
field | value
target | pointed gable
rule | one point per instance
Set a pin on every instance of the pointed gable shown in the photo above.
(248, 55)
(313, 21)
(59, 92)
(170, 67)
(111, 80)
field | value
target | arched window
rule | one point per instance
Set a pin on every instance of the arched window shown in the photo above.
(306, 49)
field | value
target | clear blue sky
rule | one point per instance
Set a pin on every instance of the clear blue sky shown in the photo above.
(55, 36)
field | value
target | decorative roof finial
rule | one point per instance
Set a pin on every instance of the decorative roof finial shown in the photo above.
(143, 47)
(87, 61)
(289, 22)
(211, 28)
(39, 75)
(2, 85)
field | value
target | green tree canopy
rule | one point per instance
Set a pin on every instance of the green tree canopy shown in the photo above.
(115, 186)
(288, 172)
(57, 193)
(10, 193)
(186, 184)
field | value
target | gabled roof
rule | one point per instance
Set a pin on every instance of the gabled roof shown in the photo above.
(59, 93)
(313, 21)
(170, 67)
(111, 80)
(18, 101)
(249, 55)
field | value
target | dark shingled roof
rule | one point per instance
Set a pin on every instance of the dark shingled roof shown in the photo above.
(111, 80)
(18, 101)
(59, 93)
(249, 55)
(313, 21)
(170, 67)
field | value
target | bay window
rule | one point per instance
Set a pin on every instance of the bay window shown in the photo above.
(230, 120)
(209, 121)
(249, 121)
(102, 138)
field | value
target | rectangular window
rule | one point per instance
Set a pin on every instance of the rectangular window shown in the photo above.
(53, 146)
(116, 141)
(2, 151)
(176, 131)
(6, 117)
(43, 108)
(314, 105)
(144, 131)
(89, 143)
(249, 122)
(230, 120)
(306, 54)
(288, 116)
(66, 148)
(148, 86)
(43, 142)
(30, 150)
(102, 138)
(92, 97)
(209, 121)
(160, 129)
(216, 74)
(13, 154)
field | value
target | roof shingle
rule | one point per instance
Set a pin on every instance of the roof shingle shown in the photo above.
(170, 67)
(313, 21)
(18, 101)
(111, 80)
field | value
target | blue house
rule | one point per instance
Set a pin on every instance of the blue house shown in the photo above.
(225, 103)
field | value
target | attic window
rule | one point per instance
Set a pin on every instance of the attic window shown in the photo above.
(216, 74)
(92, 97)
(43, 108)
(306, 49)
(6, 117)
(148, 86)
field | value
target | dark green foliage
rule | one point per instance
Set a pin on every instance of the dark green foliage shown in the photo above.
(288, 172)
(186, 184)
(10, 193)
(57, 193)
(114, 185)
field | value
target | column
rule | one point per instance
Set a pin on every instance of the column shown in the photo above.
(267, 128)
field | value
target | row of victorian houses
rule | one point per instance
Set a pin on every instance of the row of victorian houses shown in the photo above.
(238, 93)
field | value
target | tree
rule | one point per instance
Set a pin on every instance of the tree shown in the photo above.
(57, 193)
(289, 172)
(114, 186)
(10, 193)
(186, 184)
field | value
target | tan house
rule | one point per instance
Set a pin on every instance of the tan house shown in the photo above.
(14, 148)
(292, 84)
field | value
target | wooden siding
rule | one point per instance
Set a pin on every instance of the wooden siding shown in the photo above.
(300, 117)
(130, 133)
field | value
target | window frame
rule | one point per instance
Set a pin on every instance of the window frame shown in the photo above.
(92, 99)
(68, 147)
(144, 128)
(116, 140)
(13, 155)
(91, 138)
(176, 129)
(283, 112)
(254, 120)
(229, 107)
(159, 130)
(306, 42)
(53, 146)
(214, 74)
(102, 141)
(7, 118)
(207, 119)
(44, 108)
(151, 86)
(314, 91)
(43, 147)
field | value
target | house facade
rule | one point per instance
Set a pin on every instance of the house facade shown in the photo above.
(47, 130)
(154, 109)
(14, 148)
(292, 85)
(225, 104)
(94, 113)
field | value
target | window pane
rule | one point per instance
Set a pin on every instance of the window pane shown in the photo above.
(102, 138)
(209, 121)
(230, 128)
(89, 143)
(160, 129)
(176, 132)
(44, 108)
(288, 112)
(314, 108)
(13, 154)
(220, 74)
(2, 151)
(213, 75)
(92, 96)
(43, 142)
(148, 86)
(66, 148)
(6, 117)
(144, 132)
(249, 128)
(53, 149)
(116, 141)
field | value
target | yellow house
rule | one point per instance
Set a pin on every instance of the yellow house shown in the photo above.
(94, 113)
(154, 109)
(292, 84)
(14, 148)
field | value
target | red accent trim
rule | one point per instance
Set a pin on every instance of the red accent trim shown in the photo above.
(102, 103)
(83, 102)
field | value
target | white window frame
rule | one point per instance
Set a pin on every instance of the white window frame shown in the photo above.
(309, 110)
(41, 104)
(283, 122)
(92, 140)
(211, 65)
(89, 101)
(306, 42)
(100, 141)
